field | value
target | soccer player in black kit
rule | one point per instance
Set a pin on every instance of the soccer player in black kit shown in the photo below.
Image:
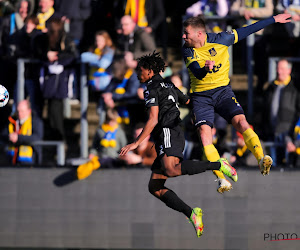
(163, 124)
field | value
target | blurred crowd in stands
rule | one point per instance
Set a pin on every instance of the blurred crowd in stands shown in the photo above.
(109, 36)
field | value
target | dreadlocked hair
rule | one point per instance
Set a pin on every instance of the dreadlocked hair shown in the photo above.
(152, 62)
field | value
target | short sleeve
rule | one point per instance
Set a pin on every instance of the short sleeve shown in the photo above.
(151, 98)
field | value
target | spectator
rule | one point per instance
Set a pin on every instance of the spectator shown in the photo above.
(22, 44)
(108, 141)
(100, 58)
(176, 79)
(147, 14)
(121, 93)
(57, 51)
(12, 23)
(293, 146)
(144, 154)
(134, 40)
(9, 25)
(292, 7)
(6, 7)
(292, 28)
(251, 10)
(281, 109)
(24, 130)
(210, 8)
(46, 14)
(75, 12)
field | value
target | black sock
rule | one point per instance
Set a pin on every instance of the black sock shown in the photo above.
(173, 201)
(195, 167)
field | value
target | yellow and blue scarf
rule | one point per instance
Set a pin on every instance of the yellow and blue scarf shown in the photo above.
(109, 139)
(123, 115)
(43, 17)
(96, 73)
(136, 8)
(297, 135)
(120, 89)
(21, 153)
(285, 82)
(255, 3)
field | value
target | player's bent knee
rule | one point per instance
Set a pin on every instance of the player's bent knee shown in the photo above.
(154, 189)
(240, 123)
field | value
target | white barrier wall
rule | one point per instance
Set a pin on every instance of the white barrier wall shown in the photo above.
(112, 209)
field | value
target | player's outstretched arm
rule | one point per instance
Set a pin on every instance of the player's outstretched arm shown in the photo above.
(150, 125)
(248, 30)
(282, 18)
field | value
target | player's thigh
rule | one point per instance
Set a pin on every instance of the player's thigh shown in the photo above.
(169, 164)
(203, 109)
(172, 142)
(227, 105)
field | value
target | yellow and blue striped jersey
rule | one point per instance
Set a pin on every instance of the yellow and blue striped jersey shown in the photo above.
(215, 49)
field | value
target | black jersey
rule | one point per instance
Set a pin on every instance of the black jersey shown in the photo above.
(166, 96)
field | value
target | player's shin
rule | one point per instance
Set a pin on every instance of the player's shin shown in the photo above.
(173, 201)
(195, 167)
(253, 144)
(212, 155)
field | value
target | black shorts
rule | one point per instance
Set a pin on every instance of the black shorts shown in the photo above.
(170, 142)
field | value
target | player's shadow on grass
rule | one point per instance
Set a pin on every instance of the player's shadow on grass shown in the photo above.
(65, 178)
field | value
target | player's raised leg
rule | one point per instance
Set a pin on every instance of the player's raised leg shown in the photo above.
(253, 143)
(158, 189)
(212, 155)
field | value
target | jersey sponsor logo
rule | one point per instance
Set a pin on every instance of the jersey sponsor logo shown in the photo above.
(212, 52)
(166, 85)
(161, 150)
(152, 100)
(146, 94)
(216, 68)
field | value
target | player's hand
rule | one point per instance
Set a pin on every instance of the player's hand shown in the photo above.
(283, 18)
(209, 65)
(128, 148)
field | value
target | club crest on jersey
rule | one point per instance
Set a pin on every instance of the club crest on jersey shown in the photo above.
(212, 52)
(146, 93)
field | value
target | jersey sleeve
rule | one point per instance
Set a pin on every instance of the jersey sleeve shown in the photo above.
(226, 38)
(246, 31)
(188, 55)
(182, 98)
(151, 98)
